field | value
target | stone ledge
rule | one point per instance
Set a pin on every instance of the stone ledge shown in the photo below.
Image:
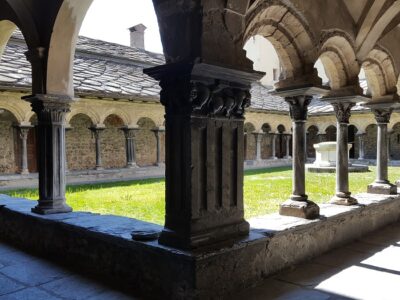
(103, 244)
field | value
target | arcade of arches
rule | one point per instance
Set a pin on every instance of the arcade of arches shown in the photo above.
(205, 91)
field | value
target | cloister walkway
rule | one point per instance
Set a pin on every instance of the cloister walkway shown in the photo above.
(368, 268)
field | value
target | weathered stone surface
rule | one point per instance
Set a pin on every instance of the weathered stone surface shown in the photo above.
(382, 188)
(301, 209)
(275, 242)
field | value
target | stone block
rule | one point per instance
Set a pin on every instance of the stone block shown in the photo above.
(301, 209)
(382, 188)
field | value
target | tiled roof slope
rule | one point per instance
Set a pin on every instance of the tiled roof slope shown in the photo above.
(104, 69)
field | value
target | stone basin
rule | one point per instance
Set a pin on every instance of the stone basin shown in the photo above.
(325, 161)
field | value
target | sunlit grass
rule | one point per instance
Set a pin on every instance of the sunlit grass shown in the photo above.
(144, 199)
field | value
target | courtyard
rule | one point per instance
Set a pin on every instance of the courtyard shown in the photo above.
(264, 190)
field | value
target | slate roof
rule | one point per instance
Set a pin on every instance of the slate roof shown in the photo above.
(104, 69)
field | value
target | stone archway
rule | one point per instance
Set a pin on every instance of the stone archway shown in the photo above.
(330, 133)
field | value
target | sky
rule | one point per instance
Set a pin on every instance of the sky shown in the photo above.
(109, 20)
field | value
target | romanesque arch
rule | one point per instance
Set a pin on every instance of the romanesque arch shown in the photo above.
(330, 133)
(289, 33)
(339, 59)
(380, 72)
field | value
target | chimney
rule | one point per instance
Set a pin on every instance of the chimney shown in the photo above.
(137, 36)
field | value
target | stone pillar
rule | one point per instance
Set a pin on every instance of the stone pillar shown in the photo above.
(298, 205)
(51, 111)
(158, 131)
(273, 142)
(381, 185)
(288, 138)
(130, 135)
(259, 136)
(361, 145)
(204, 123)
(343, 113)
(23, 134)
(96, 131)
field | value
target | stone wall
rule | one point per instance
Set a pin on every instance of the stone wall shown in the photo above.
(266, 146)
(370, 142)
(80, 144)
(146, 143)
(250, 146)
(9, 144)
(113, 143)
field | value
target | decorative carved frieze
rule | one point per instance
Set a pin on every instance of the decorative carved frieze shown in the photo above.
(298, 106)
(343, 111)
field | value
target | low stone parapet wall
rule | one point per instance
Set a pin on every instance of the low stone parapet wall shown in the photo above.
(102, 244)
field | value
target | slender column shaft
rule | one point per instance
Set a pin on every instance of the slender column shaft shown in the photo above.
(361, 146)
(258, 145)
(97, 130)
(298, 205)
(158, 132)
(288, 137)
(299, 160)
(130, 134)
(51, 111)
(273, 142)
(23, 134)
(342, 160)
(381, 185)
(382, 157)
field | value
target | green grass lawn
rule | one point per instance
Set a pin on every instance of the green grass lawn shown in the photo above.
(144, 199)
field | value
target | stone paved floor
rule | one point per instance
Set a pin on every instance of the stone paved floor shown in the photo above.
(26, 277)
(368, 268)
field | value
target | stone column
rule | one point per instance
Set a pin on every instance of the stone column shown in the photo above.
(23, 134)
(158, 131)
(273, 142)
(96, 131)
(288, 138)
(130, 135)
(298, 205)
(204, 123)
(259, 136)
(381, 185)
(361, 145)
(51, 111)
(343, 113)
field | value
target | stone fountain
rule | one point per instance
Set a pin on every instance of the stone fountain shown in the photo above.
(325, 161)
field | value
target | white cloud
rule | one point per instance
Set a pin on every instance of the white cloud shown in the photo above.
(109, 20)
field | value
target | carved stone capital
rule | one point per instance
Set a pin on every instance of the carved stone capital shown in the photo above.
(96, 131)
(203, 90)
(23, 131)
(298, 106)
(130, 132)
(382, 115)
(343, 111)
(50, 108)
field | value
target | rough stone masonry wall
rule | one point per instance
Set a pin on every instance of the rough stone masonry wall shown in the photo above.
(113, 143)
(9, 144)
(146, 143)
(80, 144)
(370, 142)
(266, 148)
(395, 143)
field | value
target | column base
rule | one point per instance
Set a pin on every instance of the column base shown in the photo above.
(382, 188)
(99, 168)
(273, 157)
(132, 166)
(344, 199)
(300, 209)
(206, 238)
(25, 172)
(42, 210)
(287, 157)
(161, 165)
